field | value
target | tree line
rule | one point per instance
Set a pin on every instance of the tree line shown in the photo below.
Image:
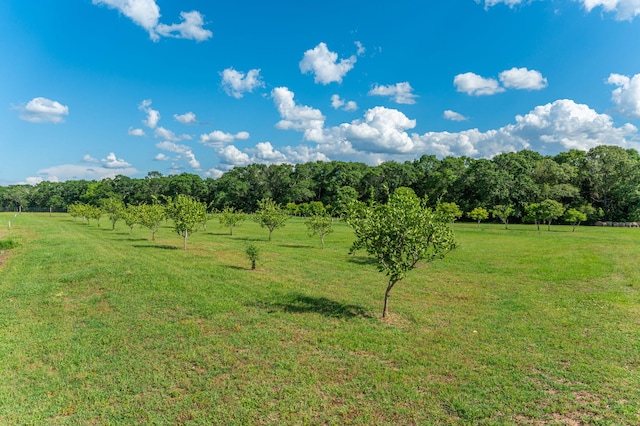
(603, 182)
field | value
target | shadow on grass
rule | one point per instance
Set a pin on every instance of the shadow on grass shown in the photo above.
(362, 260)
(299, 303)
(156, 246)
(295, 246)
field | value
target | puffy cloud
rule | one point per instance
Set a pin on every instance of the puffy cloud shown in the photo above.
(382, 130)
(236, 83)
(361, 49)
(146, 13)
(522, 78)
(337, 103)
(218, 138)
(297, 117)
(161, 157)
(43, 110)
(475, 85)
(168, 135)
(136, 132)
(153, 116)
(454, 116)
(402, 93)
(264, 152)
(325, 65)
(625, 10)
(184, 153)
(230, 156)
(108, 167)
(186, 118)
(112, 162)
(190, 27)
(627, 95)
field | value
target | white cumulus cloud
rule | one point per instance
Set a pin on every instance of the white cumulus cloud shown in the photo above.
(302, 118)
(237, 83)
(218, 138)
(186, 118)
(324, 64)
(475, 85)
(522, 78)
(627, 95)
(489, 3)
(184, 153)
(402, 93)
(169, 135)
(136, 132)
(146, 13)
(339, 103)
(113, 162)
(153, 116)
(43, 110)
(190, 27)
(454, 116)
(161, 157)
(625, 10)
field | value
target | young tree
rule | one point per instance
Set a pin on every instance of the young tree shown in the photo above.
(231, 218)
(253, 253)
(450, 210)
(151, 216)
(92, 212)
(503, 212)
(550, 210)
(319, 225)
(574, 217)
(113, 207)
(479, 213)
(187, 214)
(130, 215)
(400, 234)
(270, 215)
(534, 213)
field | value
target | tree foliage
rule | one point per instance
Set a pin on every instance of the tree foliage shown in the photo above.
(230, 218)
(270, 215)
(187, 214)
(320, 225)
(151, 216)
(400, 234)
(478, 214)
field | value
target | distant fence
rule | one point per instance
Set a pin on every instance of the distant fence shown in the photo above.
(34, 210)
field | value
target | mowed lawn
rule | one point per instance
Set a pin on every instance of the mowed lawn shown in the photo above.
(513, 327)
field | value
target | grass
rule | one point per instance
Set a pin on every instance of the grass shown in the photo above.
(513, 327)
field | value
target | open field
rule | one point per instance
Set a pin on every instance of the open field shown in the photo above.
(513, 327)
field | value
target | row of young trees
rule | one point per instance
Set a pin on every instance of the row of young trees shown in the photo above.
(606, 178)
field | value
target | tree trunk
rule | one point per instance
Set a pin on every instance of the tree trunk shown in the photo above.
(385, 310)
(322, 239)
(186, 234)
(478, 223)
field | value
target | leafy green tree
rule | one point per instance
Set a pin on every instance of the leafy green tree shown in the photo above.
(187, 214)
(130, 215)
(400, 234)
(320, 225)
(113, 207)
(574, 217)
(344, 198)
(253, 253)
(502, 212)
(450, 210)
(534, 213)
(270, 215)
(151, 216)
(230, 217)
(479, 213)
(92, 212)
(551, 210)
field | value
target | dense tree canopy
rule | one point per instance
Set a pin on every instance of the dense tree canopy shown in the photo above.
(606, 178)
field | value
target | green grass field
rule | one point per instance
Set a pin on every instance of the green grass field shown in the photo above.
(513, 327)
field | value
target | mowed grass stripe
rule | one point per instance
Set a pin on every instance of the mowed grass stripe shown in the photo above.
(515, 326)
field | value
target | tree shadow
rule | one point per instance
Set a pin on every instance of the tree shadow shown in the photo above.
(362, 260)
(158, 246)
(299, 303)
(296, 246)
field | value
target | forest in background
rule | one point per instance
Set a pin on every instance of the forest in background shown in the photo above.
(606, 178)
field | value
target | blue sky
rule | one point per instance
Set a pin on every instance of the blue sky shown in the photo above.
(97, 88)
